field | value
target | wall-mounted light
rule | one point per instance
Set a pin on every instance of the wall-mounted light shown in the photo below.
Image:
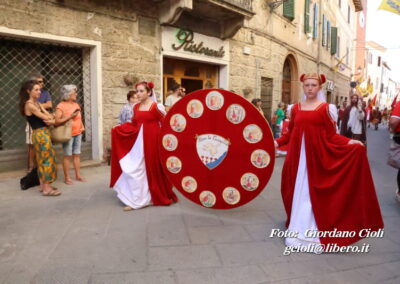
(275, 4)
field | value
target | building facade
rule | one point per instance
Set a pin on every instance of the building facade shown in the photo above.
(377, 71)
(254, 48)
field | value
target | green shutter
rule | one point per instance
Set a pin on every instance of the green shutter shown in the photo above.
(288, 9)
(333, 40)
(328, 34)
(315, 23)
(307, 16)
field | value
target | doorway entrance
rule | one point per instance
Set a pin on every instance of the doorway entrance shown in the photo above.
(266, 96)
(286, 83)
(190, 74)
(289, 79)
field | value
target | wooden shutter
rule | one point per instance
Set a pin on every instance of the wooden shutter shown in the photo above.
(315, 23)
(333, 40)
(288, 9)
(328, 34)
(307, 16)
(323, 30)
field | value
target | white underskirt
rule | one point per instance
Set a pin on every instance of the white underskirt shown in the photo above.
(302, 216)
(132, 186)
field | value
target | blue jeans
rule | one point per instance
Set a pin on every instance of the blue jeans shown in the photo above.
(73, 146)
(277, 131)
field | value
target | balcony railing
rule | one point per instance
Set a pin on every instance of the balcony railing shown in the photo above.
(243, 4)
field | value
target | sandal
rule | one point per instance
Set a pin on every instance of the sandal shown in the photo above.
(52, 193)
(128, 208)
(68, 181)
(81, 179)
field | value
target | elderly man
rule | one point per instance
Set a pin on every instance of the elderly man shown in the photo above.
(353, 121)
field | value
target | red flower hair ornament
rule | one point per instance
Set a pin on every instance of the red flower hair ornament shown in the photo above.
(148, 84)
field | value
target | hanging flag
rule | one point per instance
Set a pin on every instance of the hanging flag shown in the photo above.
(340, 66)
(365, 88)
(374, 101)
(391, 6)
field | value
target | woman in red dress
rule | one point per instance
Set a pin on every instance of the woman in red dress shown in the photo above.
(327, 185)
(136, 172)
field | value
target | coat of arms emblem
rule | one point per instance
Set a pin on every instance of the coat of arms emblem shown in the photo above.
(212, 149)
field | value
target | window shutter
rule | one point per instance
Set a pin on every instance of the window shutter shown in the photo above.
(328, 34)
(323, 30)
(348, 14)
(315, 24)
(333, 40)
(288, 9)
(307, 16)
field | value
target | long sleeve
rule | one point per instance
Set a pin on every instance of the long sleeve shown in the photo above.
(285, 138)
(334, 115)
(332, 128)
(126, 113)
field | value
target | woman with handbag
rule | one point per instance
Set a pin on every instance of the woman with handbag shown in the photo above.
(69, 110)
(394, 152)
(39, 119)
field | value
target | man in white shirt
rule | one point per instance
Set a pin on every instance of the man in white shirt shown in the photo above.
(353, 125)
(174, 97)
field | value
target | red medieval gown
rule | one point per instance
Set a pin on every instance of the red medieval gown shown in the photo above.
(136, 172)
(326, 183)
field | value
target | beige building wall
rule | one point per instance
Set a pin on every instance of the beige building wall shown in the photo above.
(272, 37)
(129, 34)
(129, 40)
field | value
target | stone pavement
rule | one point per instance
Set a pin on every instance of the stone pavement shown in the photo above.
(85, 237)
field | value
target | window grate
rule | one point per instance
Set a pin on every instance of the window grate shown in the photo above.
(59, 65)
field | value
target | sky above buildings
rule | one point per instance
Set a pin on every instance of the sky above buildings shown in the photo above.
(383, 27)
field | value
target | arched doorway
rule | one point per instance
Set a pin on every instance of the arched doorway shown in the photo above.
(289, 79)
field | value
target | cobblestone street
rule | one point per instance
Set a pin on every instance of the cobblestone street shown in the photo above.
(85, 237)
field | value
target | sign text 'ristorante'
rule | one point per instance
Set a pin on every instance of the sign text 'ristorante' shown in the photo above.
(186, 42)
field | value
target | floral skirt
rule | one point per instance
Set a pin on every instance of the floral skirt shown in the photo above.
(45, 155)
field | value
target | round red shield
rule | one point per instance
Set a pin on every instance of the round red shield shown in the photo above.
(217, 149)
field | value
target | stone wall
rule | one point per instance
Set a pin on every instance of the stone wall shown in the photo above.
(128, 31)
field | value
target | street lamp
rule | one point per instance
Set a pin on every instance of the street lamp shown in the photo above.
(275, 4)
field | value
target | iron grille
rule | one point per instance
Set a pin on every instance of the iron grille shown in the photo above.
(58, 64)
